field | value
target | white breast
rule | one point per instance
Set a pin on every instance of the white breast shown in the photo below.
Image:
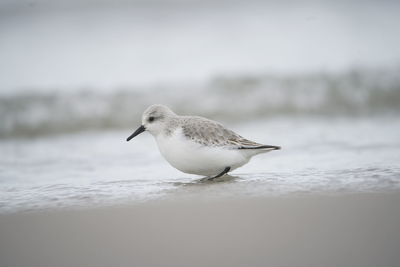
(191, 157)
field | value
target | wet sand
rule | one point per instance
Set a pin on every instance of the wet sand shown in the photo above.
(340, 230)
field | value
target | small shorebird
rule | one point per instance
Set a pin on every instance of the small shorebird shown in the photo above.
(198, 145)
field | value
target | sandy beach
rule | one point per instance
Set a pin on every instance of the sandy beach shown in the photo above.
(311, 230)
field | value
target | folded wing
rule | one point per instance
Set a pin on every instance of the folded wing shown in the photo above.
(211, 133)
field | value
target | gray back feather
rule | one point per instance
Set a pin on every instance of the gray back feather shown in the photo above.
(208, 132)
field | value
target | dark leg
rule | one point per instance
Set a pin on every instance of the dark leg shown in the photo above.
(219, 175)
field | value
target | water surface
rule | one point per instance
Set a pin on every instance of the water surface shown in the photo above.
(319, 156)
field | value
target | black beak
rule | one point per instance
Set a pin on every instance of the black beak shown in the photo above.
(139, 130)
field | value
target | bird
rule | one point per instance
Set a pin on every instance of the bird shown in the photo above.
(197, 145)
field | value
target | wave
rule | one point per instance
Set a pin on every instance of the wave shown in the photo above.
(232, 98)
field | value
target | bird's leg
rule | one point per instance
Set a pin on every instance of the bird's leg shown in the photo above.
(226, 170)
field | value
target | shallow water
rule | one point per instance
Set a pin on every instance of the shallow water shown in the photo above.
(319, 156)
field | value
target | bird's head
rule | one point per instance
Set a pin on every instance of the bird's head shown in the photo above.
(154, 119)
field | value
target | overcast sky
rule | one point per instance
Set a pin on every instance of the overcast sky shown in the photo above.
(73, 44)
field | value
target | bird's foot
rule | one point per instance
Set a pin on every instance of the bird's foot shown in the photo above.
(225, 171)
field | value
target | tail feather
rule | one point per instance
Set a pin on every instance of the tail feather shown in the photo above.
(261, 147)
(243, 143)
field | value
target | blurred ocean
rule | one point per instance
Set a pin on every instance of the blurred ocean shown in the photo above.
(231, 98)
(319, 78)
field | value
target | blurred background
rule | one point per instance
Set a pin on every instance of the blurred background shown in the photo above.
(81, 64)
(296, 73)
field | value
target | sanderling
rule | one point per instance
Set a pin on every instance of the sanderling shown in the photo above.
(197, 145)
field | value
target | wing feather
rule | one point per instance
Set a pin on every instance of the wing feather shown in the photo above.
(208, 132)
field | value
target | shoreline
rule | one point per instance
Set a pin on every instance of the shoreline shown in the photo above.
(312, 230)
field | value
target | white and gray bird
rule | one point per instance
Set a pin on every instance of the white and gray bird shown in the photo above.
(197, 145)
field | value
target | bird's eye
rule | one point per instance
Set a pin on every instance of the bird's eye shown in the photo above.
(151, 119)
